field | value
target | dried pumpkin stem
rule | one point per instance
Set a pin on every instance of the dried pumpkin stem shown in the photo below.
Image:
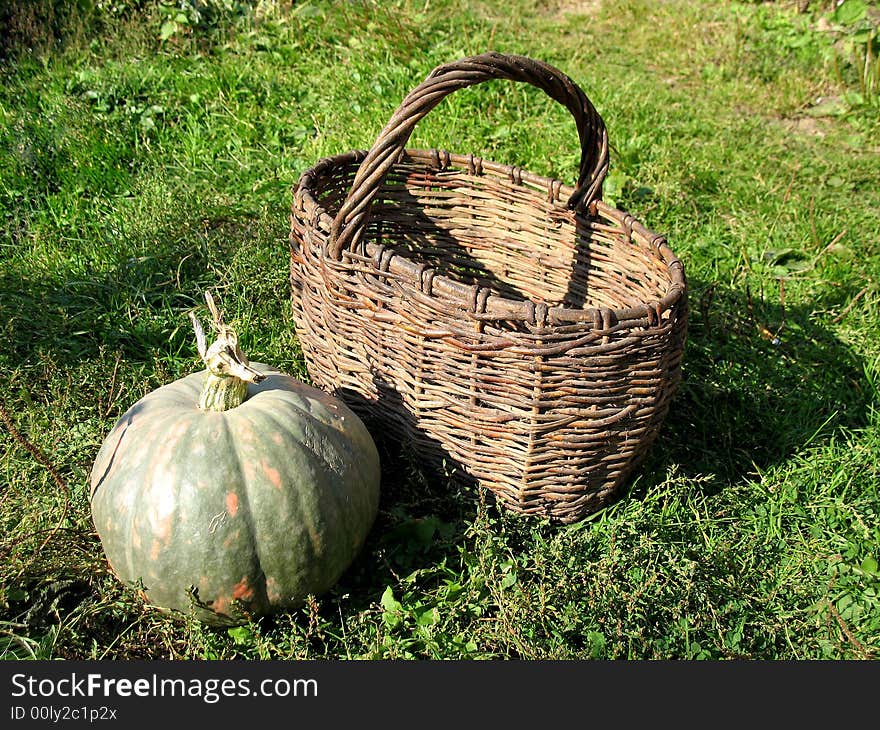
(229, 370)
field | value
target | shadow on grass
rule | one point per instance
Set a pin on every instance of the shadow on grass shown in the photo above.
(67, 317)
(70, 311)
(760, 382)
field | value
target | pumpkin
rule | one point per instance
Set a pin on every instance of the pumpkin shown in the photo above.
(236, 491)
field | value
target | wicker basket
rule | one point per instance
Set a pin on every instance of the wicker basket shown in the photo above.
(517, 330)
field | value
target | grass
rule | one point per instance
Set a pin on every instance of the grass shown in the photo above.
(136, 172)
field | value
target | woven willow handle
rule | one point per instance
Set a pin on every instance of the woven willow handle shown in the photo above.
(349, 222)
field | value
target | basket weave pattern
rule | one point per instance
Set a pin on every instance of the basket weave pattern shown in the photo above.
(518, 330)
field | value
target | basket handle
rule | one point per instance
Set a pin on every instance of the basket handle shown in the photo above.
(348, 225)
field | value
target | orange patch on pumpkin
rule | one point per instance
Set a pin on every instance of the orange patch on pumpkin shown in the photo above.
(272, 474)
(154, 550)
(273, 590)
(232, 503)
(245, 433)
(241, 591)
(164, 529)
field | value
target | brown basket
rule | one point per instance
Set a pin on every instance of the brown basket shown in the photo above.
(517, 330)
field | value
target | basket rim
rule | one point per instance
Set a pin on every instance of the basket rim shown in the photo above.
(481, 303)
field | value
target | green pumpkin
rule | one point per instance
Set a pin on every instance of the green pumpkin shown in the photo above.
(241, 510)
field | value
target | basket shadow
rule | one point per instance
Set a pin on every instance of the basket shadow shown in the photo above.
(458, 244)
(760, 381)
(400, 225)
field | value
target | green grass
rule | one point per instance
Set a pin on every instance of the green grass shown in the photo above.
(136, 172)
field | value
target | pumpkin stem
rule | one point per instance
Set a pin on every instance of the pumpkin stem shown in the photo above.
(229, 370)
